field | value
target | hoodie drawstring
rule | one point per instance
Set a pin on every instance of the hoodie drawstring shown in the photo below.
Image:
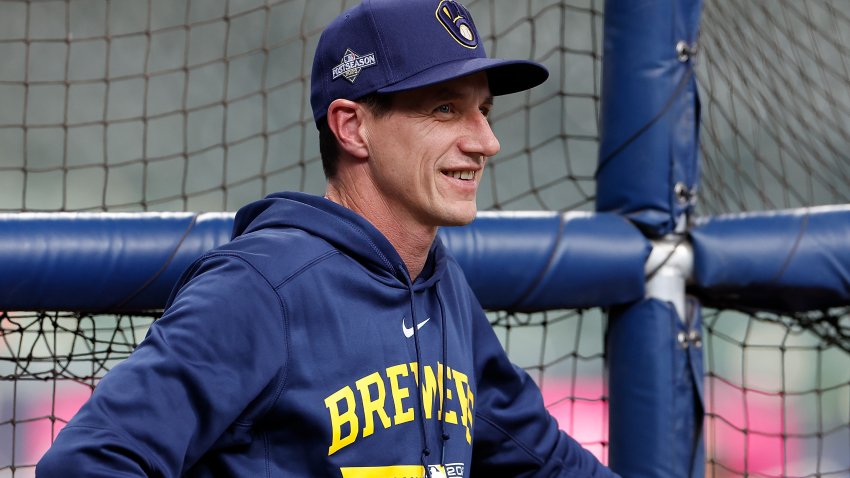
(419, 371)
(444, 437)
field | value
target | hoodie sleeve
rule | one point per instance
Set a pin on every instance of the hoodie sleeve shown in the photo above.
(514, 433)
(219, 347)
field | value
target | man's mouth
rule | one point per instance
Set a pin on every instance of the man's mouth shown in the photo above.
(468, 175)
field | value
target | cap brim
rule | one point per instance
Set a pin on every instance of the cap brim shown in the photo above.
(504, 76)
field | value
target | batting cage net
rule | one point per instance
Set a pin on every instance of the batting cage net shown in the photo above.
(204, 105)
(777, 394)
(164, 105)
(775, 88)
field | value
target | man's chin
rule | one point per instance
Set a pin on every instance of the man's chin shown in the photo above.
(459, 219)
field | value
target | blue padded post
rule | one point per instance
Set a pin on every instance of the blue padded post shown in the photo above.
(655, 385)
(648, 159)
(648, 171)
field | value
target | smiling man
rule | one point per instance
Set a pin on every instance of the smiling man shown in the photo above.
(416, 165)
(335, 336)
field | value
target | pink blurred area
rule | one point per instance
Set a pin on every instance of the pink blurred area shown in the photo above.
(768, 421)
(764, 449)
(37, 434)
(579, 410)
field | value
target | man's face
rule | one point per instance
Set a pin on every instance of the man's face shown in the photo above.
(427, 154)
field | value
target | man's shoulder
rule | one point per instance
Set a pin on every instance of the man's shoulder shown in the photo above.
(277, 253)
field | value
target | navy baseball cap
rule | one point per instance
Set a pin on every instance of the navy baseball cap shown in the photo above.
(387, 46)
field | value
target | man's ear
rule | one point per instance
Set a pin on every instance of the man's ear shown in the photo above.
(345, 118)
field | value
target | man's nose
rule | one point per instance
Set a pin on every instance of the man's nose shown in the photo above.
(479, 138)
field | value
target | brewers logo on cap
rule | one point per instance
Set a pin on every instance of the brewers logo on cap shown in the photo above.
(352, 63)
(458, 22)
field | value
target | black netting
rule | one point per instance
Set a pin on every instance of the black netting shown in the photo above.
(564, 352)
(168, 105)
(777, 395)
(775, 86)
(50, 363)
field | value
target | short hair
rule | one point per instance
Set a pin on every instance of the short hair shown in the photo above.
(378, 104)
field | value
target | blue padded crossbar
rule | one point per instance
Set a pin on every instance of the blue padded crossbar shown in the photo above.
(130, 262)
(100, 261)
(538, 261)
(792, 260)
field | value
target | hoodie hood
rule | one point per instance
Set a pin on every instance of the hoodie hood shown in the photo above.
(357, 238)
(341, 227)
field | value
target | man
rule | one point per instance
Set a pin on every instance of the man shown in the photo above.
(335, 336)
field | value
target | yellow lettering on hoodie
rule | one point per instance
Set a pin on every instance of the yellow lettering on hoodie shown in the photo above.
(466, 401)
(402, 415)
(451, 416)
(372, 407)
(339, 419)
(348, 409)
(429, 391)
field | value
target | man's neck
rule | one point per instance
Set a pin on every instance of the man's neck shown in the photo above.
(410, 239)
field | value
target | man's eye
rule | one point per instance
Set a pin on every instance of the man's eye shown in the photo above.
(443, 109)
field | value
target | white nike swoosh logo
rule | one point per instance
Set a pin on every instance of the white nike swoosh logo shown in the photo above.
(408, 331)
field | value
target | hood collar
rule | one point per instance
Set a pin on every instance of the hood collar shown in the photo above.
(344, 229)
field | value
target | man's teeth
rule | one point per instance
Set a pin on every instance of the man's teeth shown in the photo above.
(465, 175)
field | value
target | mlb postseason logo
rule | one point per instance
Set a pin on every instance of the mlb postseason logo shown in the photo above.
(450, 470)
(352, 64)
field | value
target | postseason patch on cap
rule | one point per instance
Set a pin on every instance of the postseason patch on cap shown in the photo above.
(458, 22)
(352, 63)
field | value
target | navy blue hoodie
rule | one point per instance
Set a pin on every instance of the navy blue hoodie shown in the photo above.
(296, 350)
